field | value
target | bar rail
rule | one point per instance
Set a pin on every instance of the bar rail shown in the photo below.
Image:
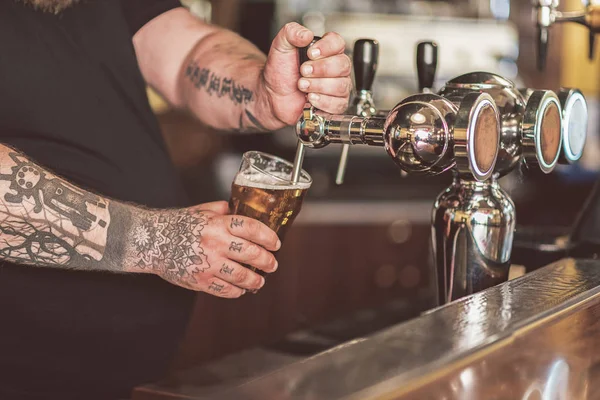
(477, 347)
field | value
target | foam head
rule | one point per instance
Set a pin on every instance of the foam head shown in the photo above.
(265, 171)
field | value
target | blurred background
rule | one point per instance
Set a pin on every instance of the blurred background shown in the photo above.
(357, 259)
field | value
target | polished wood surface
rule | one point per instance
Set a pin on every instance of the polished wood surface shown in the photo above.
(536, 337)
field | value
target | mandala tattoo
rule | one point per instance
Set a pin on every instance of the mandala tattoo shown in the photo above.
(171, 244)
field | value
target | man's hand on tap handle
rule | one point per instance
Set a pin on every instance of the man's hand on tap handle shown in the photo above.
(325, 77)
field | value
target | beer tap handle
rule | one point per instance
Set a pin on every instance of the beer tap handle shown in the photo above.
(592, 52)
(364, 58)
(301, 150)
(303, 51)
(427, 59)
(543, 39)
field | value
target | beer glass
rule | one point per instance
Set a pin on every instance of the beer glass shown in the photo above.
(263, 190)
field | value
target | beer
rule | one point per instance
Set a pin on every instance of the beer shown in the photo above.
(275, 207)
(262, 190)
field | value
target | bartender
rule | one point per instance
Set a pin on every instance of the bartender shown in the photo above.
(101, 254)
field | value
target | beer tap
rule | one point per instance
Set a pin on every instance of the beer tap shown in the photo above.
(474, 223)
(365, 58)
(547, 14)
(300, 150)
(428, 134)
(423, 134)
(480, 127)
(427, 59)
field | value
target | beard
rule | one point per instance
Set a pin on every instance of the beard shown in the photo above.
(51, 6)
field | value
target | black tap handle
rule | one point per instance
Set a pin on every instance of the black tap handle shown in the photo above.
(365, 58)
(542, 47)
(303, 51)
(427, 59)
(592, 52)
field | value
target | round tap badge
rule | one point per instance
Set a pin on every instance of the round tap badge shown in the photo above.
(485, 137)
(477, 136)
(542, 130)
(575, 124)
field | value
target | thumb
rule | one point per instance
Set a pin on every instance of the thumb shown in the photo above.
(290, 37)
(218, 207)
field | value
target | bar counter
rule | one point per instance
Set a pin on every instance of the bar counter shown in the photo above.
(531, 338)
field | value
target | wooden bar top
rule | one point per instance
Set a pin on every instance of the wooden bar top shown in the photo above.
(534, 337)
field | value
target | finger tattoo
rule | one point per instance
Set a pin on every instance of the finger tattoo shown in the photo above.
(225, 269)
(215, 287)
(235, 222)
(235, 247)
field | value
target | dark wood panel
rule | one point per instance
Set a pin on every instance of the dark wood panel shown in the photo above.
(325, 272)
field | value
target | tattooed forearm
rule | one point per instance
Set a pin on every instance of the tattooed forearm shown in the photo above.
(235, 247)
(225, 87)
(46, 221)
(214, 84)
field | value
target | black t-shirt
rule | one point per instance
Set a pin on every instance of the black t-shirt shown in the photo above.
(73, 99)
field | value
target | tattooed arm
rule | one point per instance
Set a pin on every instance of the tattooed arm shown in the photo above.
(230, 84)
(47, 222)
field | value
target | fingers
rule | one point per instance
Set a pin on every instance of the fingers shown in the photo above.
(220, 288)
(218, 207)
(337, 87)
(239, 276)
(290, 37)
(254, 231)
(330, 104)
(252, 254)
(331, 67)
(330, 44)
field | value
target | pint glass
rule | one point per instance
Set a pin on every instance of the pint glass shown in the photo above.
(263, 190)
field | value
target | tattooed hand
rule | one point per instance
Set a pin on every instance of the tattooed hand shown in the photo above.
(201, 248)
(325, 77)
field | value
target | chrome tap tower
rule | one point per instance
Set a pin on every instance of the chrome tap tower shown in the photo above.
(479, 127)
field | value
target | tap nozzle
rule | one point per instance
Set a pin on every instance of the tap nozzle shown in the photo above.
(300, 150)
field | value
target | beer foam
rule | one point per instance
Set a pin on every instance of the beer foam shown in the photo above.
(270, 182)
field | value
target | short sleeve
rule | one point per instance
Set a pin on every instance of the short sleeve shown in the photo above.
(139, 12)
